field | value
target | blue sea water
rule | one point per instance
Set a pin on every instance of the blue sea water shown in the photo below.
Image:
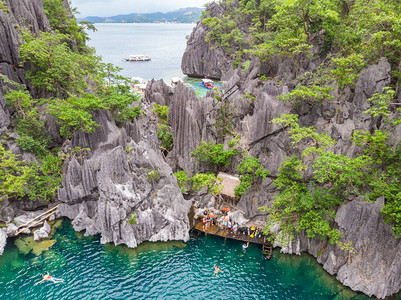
(173, 270)
(164, 43)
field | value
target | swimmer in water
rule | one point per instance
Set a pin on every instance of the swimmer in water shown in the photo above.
(47, 277)
(217, 270)
(244, 247)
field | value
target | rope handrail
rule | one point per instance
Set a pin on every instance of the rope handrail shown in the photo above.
(38, 217)
(37, 222)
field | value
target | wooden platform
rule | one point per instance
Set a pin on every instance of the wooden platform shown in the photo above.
(215, 230)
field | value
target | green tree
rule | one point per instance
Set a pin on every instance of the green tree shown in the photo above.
(62, 21)
(249, 169)
(198, 182)
(34, 180)
(57, 68)
(310, 204)
(214, 153)
(74, 114)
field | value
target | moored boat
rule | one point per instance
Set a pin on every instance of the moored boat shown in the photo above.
(138, 57)
(207, 83)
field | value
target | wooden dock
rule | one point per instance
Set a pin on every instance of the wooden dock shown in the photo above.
(217, 231)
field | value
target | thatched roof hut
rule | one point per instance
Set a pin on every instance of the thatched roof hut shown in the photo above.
(229, 182)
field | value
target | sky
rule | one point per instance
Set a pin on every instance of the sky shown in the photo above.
(108, 8)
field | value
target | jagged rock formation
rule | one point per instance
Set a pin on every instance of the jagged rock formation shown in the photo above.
(42, 233)
(100, 192)
(198, 59)
(28, 13)
(3, 239)
(375, 268)
(4, 115)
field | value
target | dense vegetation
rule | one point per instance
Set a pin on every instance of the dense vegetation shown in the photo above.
(62, 67)
(352, 35)
(164, 132)
(217, 158)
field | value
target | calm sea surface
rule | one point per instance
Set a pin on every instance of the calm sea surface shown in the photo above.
(164, 43)
(172, 270)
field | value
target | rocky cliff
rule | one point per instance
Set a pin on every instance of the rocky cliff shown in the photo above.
(199, 60)
(20, 13)
(374, 268)
(101, 192)
(17, 13)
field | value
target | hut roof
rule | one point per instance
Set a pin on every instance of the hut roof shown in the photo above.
(229, 182)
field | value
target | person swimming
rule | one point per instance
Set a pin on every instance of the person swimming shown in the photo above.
(244, 247)
(217, 270)
(48, 277)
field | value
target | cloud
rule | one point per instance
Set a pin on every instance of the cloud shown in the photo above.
(107, 8)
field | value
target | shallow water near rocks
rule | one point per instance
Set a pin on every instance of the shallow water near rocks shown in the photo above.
(172, 270)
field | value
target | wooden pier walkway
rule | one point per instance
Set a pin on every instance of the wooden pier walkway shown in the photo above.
(217, 231)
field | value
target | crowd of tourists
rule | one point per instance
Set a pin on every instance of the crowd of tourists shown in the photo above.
(231, 228)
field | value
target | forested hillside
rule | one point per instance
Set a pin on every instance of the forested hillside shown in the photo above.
(74, 132)
(311, 92)
(67, 82)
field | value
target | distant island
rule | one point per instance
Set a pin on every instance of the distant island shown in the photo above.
(182, 15)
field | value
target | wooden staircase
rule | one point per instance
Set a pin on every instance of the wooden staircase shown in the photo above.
(267, 250)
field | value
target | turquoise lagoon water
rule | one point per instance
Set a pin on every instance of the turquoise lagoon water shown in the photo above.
(173, 270)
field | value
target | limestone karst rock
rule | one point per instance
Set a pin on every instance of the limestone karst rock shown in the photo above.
(199, 60)
(101, 192)
(42, 233)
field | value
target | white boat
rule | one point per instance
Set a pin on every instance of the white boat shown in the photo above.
(137, 57)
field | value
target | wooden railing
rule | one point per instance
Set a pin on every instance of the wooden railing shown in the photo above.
(29, 224)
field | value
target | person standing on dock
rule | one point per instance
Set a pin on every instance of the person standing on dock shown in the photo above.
(225, 223)
(204, 223)
(211, 215)
(235, 229)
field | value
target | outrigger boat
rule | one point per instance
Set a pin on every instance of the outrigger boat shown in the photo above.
(207, 83)
(138, 57)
